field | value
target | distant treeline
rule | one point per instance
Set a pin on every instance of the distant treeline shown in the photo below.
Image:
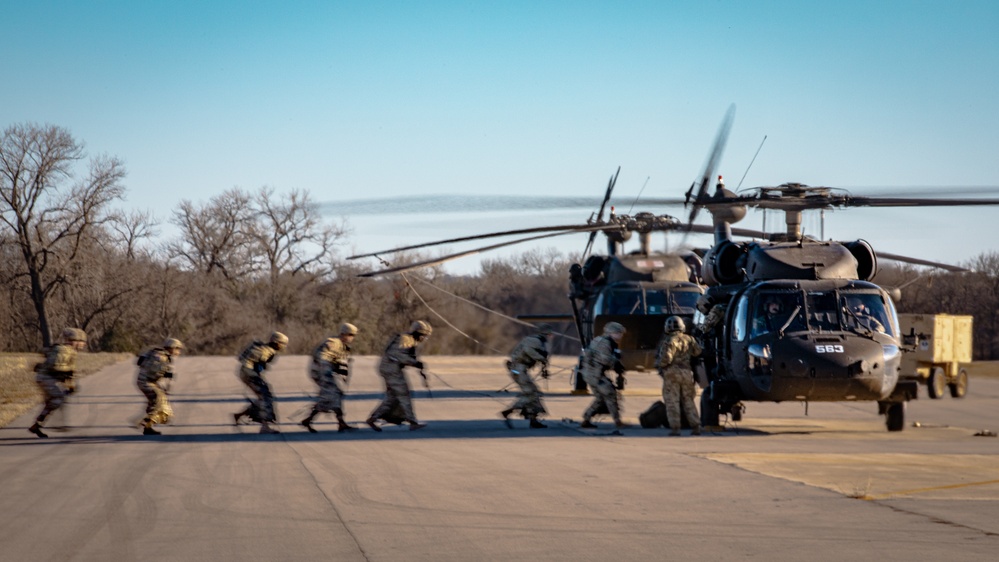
(246, 263)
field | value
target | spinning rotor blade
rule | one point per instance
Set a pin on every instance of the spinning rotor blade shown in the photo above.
(709, 168)
(443, 259)
(600, 215)
(573, 227)
(916, 261)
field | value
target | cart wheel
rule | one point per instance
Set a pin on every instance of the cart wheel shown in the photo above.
(936, 383)
(959, 387)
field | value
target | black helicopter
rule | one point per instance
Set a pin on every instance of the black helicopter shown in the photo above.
(802, 320)
(639, 288)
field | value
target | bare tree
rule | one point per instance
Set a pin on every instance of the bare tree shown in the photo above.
(46, 220)
(130, 229)
(292, 236)
(215, 237)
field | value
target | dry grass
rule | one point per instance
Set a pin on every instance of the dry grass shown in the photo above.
(18, 391)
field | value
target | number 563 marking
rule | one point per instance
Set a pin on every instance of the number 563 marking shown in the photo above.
(829, 349)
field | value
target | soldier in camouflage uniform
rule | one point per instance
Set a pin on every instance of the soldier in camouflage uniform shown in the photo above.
(530, 351)
(155, 365)
(673, 362)
(600, 356)
(55, 375)
(329, 370)
(400, 352)
(252, 363)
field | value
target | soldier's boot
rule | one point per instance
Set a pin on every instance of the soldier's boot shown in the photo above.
(587, 424)
(535, 424)
(307, 422)
(674, 433)
(267, 429)
(148, 430)
(506, 417)
(237, 418)
(696, 430)
(371, 423)
(37, 430)
(342, 424)
(414, 425)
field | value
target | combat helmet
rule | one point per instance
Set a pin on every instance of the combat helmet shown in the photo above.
(421, 327)
(74, 334)
(172, 343)
(278, 339)
(614, 328)
(348, 329)
(674, 324)
(545, 329)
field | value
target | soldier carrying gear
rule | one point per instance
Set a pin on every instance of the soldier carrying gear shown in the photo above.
(600, 356)
(330, 369)
(252, 363)
(673, 362)
(155, 365)
(531, 351)
(399, 353)
(55, 375)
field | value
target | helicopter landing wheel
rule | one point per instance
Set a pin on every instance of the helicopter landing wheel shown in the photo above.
(895, 416)
(959, 387)
(936, 383)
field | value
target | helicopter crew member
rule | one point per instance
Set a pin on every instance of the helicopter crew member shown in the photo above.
(529, 352)
(673, 362)
(600, 356)
(400, 353)
(154, 365)
(858, 313)
(55, 375)
(252, 363)
(330, 369)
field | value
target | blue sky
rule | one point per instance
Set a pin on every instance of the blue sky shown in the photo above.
(383, 99)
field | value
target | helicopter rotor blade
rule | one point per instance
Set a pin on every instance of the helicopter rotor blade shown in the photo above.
(917, 261)
(570, 227)
(709, 168)
(444, 259)
(600, 215)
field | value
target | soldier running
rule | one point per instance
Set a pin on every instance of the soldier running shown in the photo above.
(673, 362)
(530, 351)
(600, 356)
(252, 363)
(400, 352)
(330, 370)
(155, 365)
(55, 375)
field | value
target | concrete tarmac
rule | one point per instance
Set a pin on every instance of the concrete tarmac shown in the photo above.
(779, 485)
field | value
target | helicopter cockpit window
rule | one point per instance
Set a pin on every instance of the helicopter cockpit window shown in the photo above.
(739, 322)
(823, 313)
(774, 311)
(866, 311)
(672, 302)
